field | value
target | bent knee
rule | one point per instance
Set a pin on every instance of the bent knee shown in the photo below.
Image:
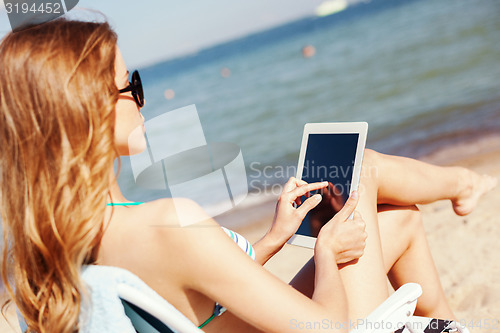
(411, 223)
(370, 157)
(370, 164)
(405, 219)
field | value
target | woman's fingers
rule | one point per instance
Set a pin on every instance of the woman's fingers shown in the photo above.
(351, 240)
(357, 218)
(349, 207)
(292, 183)
(346, 239)
(307, 205)
(305, 189)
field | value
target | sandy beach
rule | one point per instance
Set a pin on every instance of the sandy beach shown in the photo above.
(466, 249)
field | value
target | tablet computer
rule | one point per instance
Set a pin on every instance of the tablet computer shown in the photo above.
(330, 152)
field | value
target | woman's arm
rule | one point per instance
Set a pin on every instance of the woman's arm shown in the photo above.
(213, 265)
(182, 261)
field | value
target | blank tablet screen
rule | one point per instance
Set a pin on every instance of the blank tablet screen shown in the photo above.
(329, 157)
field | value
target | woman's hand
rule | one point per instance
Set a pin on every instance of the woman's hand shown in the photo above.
(345, 238)
(287, 217)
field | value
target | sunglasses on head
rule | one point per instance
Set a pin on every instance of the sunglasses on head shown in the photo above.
(135, 87)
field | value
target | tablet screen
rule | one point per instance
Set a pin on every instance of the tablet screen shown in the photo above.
(329, 157)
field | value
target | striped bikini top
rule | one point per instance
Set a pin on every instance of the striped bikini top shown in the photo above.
(241, 241)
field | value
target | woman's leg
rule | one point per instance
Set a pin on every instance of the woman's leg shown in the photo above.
(365, 282)
(407, 258)
(401, 181)
(404, 181)
(398, 181)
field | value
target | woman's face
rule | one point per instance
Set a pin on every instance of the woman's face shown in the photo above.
(129, 122)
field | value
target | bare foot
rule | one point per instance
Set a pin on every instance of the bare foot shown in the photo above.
(473, 187)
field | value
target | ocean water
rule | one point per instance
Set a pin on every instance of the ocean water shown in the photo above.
(423, 73)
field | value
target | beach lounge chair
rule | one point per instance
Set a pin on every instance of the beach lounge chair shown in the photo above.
(150, 313)
(149, 316)
(121, 302)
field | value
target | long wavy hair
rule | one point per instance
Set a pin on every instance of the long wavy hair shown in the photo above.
(57, 114)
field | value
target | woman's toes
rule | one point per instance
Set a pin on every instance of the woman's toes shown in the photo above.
(475, 186)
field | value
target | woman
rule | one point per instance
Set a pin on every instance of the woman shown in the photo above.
(67, 110)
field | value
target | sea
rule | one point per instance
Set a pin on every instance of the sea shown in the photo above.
(424, 74)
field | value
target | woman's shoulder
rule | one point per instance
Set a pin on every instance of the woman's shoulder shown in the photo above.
(173, 212)
(164, 217)
(152, 230)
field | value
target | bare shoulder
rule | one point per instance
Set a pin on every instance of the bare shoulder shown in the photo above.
(173, 212)
(157, 238)
(161, 212)
(153, 226)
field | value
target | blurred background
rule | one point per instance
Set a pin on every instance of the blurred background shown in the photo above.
(423, 73)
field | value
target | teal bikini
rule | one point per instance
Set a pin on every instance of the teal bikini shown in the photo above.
(237, 238)
(124, 203)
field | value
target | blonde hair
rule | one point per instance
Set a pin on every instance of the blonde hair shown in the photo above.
(57, 114)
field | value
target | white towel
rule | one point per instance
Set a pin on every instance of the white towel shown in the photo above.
(105, 313)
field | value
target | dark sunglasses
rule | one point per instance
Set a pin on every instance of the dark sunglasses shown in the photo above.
(135, 87)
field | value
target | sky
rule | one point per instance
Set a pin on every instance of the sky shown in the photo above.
(156, 30)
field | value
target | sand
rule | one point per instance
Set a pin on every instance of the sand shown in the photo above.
(466, 249)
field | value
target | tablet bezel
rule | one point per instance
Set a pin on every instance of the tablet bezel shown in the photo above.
(360, 128)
